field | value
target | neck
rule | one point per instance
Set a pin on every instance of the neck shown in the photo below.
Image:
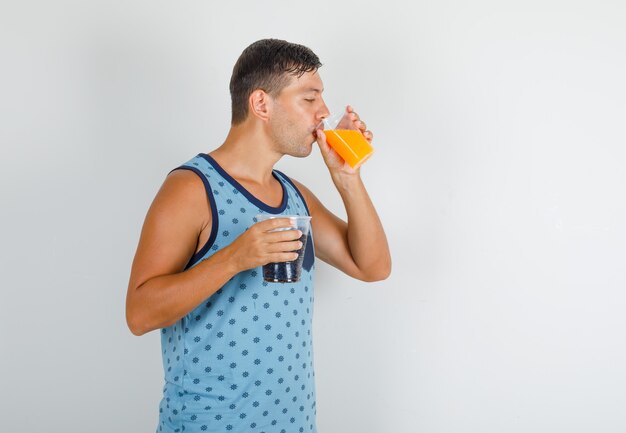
(247, 153)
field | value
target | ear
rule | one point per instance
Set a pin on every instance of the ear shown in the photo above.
(260, 104)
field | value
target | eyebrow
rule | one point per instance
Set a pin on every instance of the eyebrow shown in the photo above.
(314, 89)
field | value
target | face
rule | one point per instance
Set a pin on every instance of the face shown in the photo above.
(296, 111)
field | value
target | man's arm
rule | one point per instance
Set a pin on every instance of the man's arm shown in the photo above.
(359, 247)
(160, 291)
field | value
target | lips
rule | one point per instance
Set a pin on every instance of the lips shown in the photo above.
(316, 127)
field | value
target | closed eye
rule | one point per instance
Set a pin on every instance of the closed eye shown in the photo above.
(309, 100)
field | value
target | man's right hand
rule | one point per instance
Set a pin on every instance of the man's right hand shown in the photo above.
(260, 245)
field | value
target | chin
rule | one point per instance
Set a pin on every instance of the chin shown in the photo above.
(303, 152)
(308, 150)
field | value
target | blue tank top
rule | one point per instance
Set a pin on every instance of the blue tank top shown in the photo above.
(242, 360)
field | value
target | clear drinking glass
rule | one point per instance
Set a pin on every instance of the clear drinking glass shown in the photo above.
(287, 272)
(346, 139)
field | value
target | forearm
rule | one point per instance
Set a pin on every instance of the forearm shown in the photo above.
(366, 236)
(163, 300)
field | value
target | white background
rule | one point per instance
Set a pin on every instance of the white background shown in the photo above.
(499, 176)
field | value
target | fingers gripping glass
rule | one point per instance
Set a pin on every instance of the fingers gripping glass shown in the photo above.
(287, 272)
(346, 139)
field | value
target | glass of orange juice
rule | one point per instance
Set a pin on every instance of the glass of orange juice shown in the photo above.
(346, 139)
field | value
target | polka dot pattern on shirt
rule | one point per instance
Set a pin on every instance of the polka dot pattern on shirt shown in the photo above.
(242, 361)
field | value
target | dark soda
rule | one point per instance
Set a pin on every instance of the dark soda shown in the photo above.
(286, 272)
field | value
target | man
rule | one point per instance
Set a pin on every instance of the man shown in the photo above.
(237, 351)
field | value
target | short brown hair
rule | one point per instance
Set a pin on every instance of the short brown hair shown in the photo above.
(267, 65)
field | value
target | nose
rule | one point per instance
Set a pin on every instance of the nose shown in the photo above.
(324, 111)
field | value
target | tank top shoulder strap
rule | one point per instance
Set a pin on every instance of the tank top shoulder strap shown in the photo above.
(294, 189)
(207, 174)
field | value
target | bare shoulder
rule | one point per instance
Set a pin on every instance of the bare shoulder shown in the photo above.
(184, 183)
(177, 216)
(183, 192)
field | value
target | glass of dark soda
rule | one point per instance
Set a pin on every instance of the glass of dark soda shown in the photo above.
(288, 272)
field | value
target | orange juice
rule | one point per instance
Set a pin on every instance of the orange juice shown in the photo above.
(351, 145)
